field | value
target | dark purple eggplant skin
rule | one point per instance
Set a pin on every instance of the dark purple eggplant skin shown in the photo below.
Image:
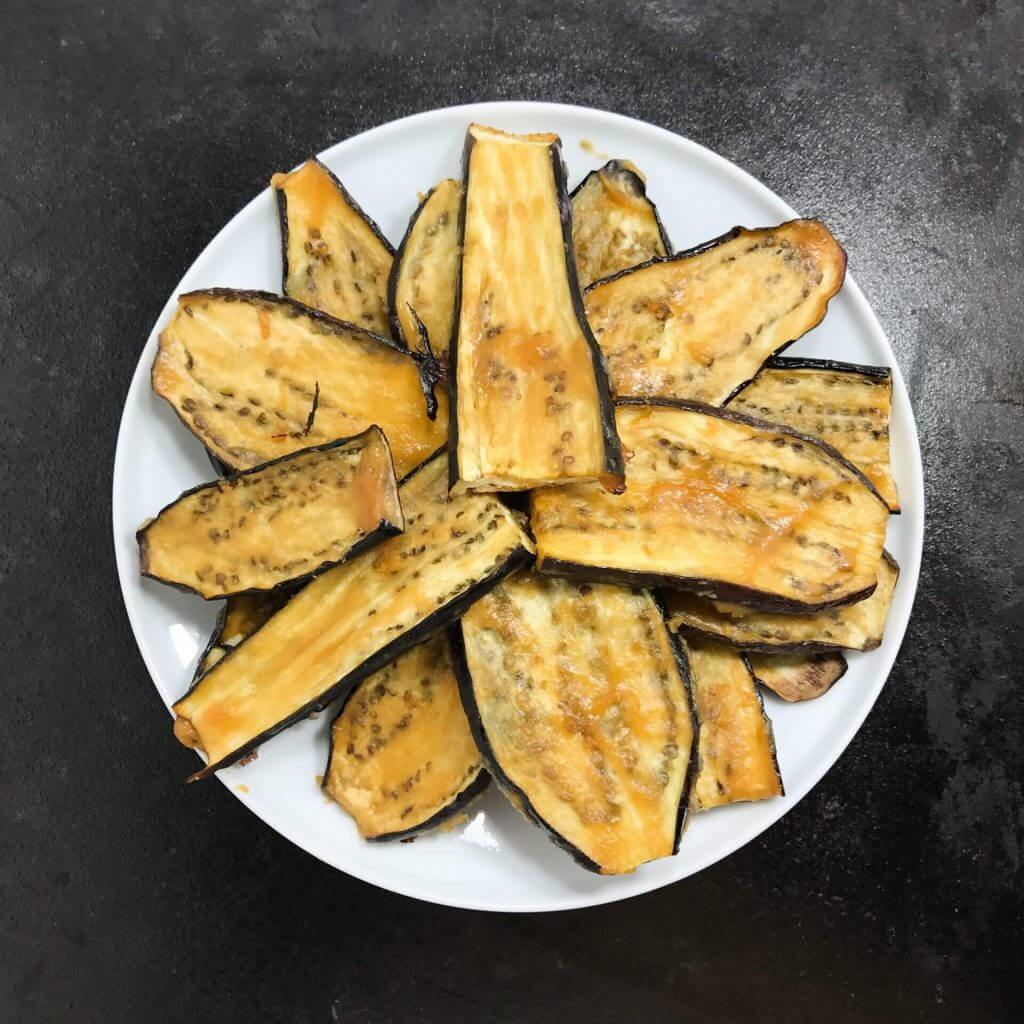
(396, 324)
(711, 588)
(614, 463)
(384, 529)
(617, 168)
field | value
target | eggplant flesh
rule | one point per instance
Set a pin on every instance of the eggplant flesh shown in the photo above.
(845, 405)
(578, 700)
(421, 289)
(354, 619)
(271, 526)
(402, 758)
(715, 502)
(336, 259)
(614, 224)
(531, 398)
(798, 677)
(736, 750)
(255, 377)
(239, 617)
(856, 627)
(699, 324)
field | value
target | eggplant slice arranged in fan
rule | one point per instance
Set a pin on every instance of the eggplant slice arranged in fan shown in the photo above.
(336, 259)
(846, 405)
(577, 696)
(855, 627)
(736, 750)
(531, 400)
(255, 376)
(402, 759)
(798, 677)
(614, 224)
(731, 507)
(699, 324)
(354, 619)
(277, 524)
(238, 618)
(421, 289)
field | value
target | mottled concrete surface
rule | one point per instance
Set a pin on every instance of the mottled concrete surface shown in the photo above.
(127, 135)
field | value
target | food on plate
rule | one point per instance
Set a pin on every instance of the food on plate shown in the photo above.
(277, 524)
(796, 677)
(336, 259)
(238, 618)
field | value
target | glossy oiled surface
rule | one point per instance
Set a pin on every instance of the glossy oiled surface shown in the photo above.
(242, 373)
(699, 326)
(712, 499)
(583, 706)
(797, 677)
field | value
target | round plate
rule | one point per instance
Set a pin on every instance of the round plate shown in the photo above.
(495, 861)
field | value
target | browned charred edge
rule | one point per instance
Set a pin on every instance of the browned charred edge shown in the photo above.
(757, 679)
(614, 464)
(282, 220)
(396, 271)
(214, 641)
(617, 169)
(385, 528)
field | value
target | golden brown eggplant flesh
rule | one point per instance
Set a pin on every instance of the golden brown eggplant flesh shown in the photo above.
(614, 224)
(238, 618)
(736, 750)
(354, 619)
(402, 759)
(530, 395)
(798, 677)
(856, 627)
(255, 377)
(336, 259)
(721, 504)
(699, 324)
(272, 526)
(421, 288)
(846, 405)
(578, 700)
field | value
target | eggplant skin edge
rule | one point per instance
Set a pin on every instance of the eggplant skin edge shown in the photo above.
(384, 530)
(614, 460)
(755, 599)
(396, 267)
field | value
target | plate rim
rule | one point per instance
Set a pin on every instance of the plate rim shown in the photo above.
(913, 507)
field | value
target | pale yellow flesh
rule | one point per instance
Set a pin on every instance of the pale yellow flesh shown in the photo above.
(243, 615)
(242, 374)
(428, 270)
(584, 706)
(527, 392)
(849, 411)
(707, 498)
(350, 613)
(277, 524)
(401, 750)
(699, 326)
(856, 627)
(614, 225)
(797, 677)
(336, 262)
(736, 760)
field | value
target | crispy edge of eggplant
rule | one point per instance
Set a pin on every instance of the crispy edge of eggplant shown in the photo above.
(614, 460)
(518, 798)
(385, 528)
(836, 669)
(755, 599)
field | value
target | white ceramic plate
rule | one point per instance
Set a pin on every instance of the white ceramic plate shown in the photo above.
(496, 861)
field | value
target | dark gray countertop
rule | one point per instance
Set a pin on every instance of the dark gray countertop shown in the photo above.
(128, 135)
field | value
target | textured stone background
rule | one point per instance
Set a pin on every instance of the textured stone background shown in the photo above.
(128, 135)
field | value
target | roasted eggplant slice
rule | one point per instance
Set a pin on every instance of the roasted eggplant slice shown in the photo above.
(614, 224)
(272, 526)
(856, 627)
(335, 258)
(355, 619)
(421, 289)
(846, 405)
(402, 759)
(798, 677)
(731, 507)
(239, 617)
(255, 376)
(699, 324)
(578, 700)
(736, 751)
(528, 382)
